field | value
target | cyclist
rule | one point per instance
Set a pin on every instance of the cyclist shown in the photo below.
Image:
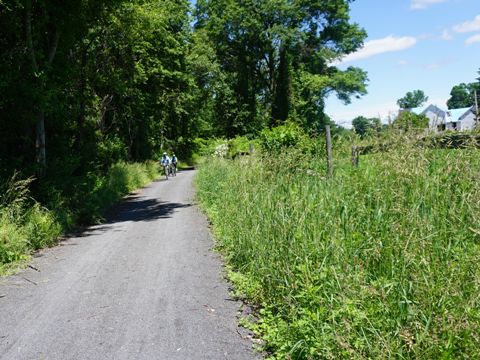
(174, 163)
(165, 162)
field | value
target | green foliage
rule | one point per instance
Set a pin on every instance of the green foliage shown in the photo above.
(408, 120)
(379, 262)
(24, 224)
(284, 136)
(207, 147)
(362, 125)
(13, 243)
(276, 59)
(121, 179)
(462, 95)
(109, 82)
(412, 99)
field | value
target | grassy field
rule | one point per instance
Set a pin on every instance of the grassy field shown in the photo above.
(26, 225)
(383, 261)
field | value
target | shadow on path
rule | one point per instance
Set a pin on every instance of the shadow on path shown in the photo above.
(141, 209)
(134, 208)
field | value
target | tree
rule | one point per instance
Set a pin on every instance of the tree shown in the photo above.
(408, 120)
(100, 81)
(277, 57)
(38, 39)
(412, 99)
(363, 125)
(463, 95)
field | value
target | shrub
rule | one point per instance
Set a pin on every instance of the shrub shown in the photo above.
(41, 227)
(13, 242)
(284, 136)
(407, 120)
(24, 224)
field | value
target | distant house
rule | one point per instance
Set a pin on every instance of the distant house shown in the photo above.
(440, 119)
(468, 120)
(437, 117)
(461, 119)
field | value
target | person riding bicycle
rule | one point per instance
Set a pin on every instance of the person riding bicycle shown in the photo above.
(165, 160)
(174, 160)
(165, 163)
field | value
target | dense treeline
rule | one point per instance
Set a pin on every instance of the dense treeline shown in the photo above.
(98, 82)
(85, 84)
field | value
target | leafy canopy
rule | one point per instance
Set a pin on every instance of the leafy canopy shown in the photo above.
(363, 125)
(412, 99)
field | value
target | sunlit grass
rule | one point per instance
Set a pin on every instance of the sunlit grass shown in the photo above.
(382, 261)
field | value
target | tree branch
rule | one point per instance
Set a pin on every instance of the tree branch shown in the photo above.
(28, 29)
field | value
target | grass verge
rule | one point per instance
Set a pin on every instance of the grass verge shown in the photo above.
(383, 261)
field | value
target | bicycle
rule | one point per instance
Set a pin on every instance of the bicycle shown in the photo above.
(166, 170)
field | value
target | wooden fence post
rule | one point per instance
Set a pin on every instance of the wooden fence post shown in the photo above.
(477, 115)
(355, 156)
(251, 149)
(329, 152)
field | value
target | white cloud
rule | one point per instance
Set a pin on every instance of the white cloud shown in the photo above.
(468, 26)
(380, 46)
(402, 62)
(423, 4)
(446, 35)
(473, 39)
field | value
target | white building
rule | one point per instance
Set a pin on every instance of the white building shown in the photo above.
(467, 120)
(461, 119)
(440, 119)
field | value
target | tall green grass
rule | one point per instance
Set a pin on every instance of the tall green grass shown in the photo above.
(26, 225)
(383, 261)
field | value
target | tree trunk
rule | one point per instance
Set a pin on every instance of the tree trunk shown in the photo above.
(82, 106)
(281, 101)
(40, 149)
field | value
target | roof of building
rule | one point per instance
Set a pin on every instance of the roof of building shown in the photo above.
(456, 114)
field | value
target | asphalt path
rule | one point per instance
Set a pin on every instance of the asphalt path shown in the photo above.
(144, 285)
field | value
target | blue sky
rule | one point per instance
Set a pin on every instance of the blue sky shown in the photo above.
(430, 45)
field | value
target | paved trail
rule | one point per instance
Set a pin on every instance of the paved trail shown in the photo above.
(145, 285)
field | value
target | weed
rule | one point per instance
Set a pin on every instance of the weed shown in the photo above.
(382, 261)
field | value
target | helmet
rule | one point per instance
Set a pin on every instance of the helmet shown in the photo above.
(164, 153)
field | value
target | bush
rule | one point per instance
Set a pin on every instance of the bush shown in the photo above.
(13, 242)
(24, 225)
(407, 120)
(40, 227)
(284, 136)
